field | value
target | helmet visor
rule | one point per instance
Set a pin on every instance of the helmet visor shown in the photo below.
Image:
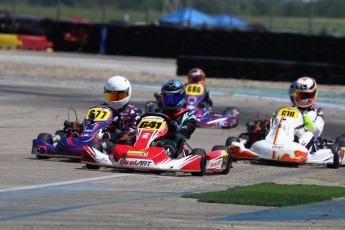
(305, 95)
(116, 96)
(171, 100)
(195, 78)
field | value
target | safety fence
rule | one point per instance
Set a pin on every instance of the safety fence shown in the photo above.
(223, 53)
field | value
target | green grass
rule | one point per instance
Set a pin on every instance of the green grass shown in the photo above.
(270, 194)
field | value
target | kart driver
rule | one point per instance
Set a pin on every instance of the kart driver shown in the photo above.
(197, 76)
(117, 92)
(182, 123)
(305, 95)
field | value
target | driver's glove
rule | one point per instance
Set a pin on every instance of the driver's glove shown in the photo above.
(308, 123)
(174, 127)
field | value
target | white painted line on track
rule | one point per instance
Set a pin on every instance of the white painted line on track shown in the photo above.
(63, 183)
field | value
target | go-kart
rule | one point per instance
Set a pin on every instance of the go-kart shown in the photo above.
(280, 144)
(69, 142)
(145, 154)
(204, 113)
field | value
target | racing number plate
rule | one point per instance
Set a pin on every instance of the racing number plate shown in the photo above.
(98, 114)
(288, 112)
(194, 89)
(153, 123)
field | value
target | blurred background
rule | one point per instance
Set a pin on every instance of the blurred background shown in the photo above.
(300, 16)
(255, 39)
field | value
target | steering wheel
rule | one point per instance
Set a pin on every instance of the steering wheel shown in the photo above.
(162, 115)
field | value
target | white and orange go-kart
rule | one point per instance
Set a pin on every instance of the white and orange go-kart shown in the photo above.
(280, 145)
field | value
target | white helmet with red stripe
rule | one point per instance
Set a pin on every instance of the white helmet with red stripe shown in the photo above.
(305, 92)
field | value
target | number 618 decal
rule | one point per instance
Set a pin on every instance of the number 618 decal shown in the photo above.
(288, 112)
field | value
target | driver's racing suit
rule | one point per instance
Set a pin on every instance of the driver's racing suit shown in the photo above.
(180, 128)
(308, 132)
(124, 126)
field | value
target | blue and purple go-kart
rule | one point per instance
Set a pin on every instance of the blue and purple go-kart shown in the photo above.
(204, 113)
(70, 142)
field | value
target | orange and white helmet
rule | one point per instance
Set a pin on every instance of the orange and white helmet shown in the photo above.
(196, 75)
(305, 92)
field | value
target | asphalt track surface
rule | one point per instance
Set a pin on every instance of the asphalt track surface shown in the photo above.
(61, 193)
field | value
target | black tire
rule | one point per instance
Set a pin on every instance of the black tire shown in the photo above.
(45, 137)
(336, 158)
(340, 139)
(246, 137)
(151, 106)
(61, 133)
(228, 160)
(232, 111)
(341, 144)
(202, 154)
(99, 147)
(230, 140)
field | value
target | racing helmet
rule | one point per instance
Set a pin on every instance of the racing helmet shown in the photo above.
(196, 75)
(305, 92)
(173, 95)
(117, 92)
(291, 92)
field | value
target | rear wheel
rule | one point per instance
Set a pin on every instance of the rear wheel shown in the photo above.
(99, 147)
(202, 154)
(336, 158)
(228, 159)
(232, 111)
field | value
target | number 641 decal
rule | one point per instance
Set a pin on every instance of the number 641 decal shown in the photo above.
(151, 124)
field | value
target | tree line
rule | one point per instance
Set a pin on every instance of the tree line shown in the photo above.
(287, 8)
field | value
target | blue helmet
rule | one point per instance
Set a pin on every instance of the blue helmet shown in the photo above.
(173, 95)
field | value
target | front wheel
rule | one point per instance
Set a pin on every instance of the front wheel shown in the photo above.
(234, 113)
(99, 147)
(202, 154)
(228, 161)
(46, 137)
(230, 140)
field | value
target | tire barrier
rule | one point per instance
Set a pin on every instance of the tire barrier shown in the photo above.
(262, 69)
(249, 54)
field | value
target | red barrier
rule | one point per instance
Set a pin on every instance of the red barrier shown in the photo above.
(35, 43)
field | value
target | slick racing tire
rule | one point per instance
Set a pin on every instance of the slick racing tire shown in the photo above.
(232, 111)
(230, 140)
(228, 160)
(340, 139)
(99, 147)
(151, 106)
(336, 157)
(246, 137)
(202, 154)
(46, 137)
(61, 133)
